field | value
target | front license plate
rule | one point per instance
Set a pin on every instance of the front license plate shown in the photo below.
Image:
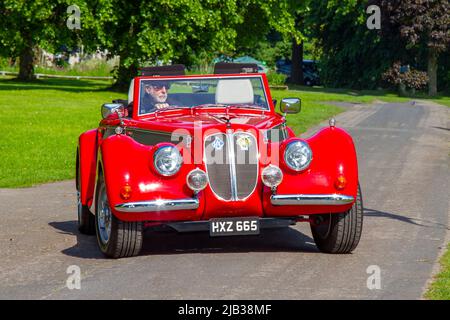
(233, 226)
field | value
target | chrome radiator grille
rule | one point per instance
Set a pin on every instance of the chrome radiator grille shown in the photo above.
(231, 161)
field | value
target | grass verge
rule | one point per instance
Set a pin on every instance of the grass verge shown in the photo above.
(440, 288)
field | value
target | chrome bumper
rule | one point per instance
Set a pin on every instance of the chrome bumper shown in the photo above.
(158, 205)
(310, 199)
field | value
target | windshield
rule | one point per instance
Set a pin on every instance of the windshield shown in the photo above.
(242, 92)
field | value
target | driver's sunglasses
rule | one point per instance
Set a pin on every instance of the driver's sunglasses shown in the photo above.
(160, 87)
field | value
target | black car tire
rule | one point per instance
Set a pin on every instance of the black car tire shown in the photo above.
(339, 232)
(125, 239)
(86, 220)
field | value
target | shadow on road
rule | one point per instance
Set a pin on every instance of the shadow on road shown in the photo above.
(270, 240)
(86, 246)
(442, 128)
(415, 221)
(171, 242)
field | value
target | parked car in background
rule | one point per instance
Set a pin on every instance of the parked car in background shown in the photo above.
(262, 68)
(310, 71)
(214, 155)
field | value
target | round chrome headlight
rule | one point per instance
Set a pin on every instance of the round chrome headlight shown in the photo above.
(197, 180)
(272, 176)
(167, 160)
(298, 155)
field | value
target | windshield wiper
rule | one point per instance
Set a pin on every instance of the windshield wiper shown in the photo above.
(235, 106)
(169, 108)
(247, 106)
(206, 105)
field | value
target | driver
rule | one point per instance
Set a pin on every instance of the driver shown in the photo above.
(155, 96)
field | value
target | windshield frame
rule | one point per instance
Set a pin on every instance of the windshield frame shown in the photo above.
(260, 76)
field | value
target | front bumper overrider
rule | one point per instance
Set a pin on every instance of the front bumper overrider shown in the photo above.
(158, 205)
(310, 199)
(275, 199)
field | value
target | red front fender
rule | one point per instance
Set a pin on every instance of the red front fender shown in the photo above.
(126, 162)
(87, 160)
(333, 155)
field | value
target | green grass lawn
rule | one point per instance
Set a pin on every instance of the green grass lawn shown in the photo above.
(440, 288)
(442, 100)
(313, 111)
(41, 121)
(90, 68)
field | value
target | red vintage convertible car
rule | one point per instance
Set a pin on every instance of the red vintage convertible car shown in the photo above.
(210, 153)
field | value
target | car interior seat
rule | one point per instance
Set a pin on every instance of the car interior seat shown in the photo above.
(234, 91)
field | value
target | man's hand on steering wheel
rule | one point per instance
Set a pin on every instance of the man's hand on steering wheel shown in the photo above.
(160, 106)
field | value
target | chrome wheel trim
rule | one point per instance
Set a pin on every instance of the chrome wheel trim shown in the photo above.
(79, 206)
(104, 216)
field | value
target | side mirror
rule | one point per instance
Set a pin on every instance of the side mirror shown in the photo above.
(113, 111)
(291, 105)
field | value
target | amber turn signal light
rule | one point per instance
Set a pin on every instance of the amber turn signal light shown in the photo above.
(125, 192)
(340, 182)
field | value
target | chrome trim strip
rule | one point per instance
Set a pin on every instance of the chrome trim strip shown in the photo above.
(231, 156)
(255, 140)
(310, 199)
(158, 205)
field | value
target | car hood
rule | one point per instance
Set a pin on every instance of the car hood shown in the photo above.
(174, 121)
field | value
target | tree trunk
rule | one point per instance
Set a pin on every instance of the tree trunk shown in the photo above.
(432, 71)
(124, 75)
(402, 89)
(26, 68)
(297, 62)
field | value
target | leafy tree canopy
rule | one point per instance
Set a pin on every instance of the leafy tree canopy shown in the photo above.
(424, 24)
(185, 31)
(25, 25)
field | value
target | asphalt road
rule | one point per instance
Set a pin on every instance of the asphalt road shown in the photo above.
(403, 152)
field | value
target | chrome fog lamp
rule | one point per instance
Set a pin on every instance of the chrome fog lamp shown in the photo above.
(272, 176)
(298, 155)
(167, 160)
(197, 180)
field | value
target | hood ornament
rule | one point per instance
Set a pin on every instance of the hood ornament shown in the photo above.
(332, 122)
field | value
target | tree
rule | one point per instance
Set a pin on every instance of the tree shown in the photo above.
(297, 56)
(183, 31)
(24, 25)
(352, 55)
(423, 23)
(300, 9)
